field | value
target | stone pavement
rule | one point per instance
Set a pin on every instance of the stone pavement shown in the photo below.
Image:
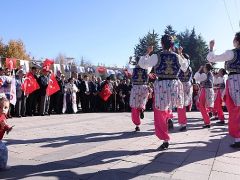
(104, 146)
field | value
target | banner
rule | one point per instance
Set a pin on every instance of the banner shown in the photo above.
(53, 86)
(24, 65)
(11, 63)
(105, 93)
(13, 96)
(30, 84)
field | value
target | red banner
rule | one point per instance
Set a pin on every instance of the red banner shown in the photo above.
(30, 84)
(53, 86)
(105, 93)
(11, 63)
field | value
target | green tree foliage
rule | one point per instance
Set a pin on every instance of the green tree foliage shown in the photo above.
(151, 39)
(193, 44)
(170, 31)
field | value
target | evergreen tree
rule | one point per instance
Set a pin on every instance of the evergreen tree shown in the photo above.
(151, 39)
(195, 47)
(193, 44)
(169, 30)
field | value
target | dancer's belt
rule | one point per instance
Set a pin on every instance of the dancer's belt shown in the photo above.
(161, 79)
(232, 73)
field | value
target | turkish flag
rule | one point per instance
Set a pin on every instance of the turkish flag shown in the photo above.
(48, 62)
(101, 70)
(11, 63)
(52, 85)
(30, 84)
(105, 93)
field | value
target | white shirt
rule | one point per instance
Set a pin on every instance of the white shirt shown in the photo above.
(87, 88)
(151, 61)
(130, 68)
(200, 77)
(226, 56)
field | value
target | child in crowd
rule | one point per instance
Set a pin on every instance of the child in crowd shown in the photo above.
(4, 127)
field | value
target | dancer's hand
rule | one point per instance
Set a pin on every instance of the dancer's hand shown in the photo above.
(180, 50)
(211, 45)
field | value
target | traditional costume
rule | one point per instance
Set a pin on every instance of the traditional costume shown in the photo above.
(232, 65)
(168, 90)
(186, 79)
(139, 94)
(206, 97)
(219, 89)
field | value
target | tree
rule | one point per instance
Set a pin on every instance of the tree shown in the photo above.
(2, 48)
(151, 39)
(85, 63)
(14, 49)
(60, 59)
(169, 30)
(195, 46)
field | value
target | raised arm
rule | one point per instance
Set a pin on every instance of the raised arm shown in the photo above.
(147, 61)
(200, 76)
(184, 63)
(212, 57)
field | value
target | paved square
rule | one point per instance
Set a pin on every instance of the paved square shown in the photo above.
(104, 146)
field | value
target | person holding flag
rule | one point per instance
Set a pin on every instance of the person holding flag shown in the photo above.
(106, 90)
(30, 87)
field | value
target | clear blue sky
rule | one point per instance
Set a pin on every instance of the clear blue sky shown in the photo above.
(106, 31)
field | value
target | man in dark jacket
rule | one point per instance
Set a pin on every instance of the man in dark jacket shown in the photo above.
(85, 92)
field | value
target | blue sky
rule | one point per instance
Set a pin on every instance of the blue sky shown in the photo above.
(106, 31)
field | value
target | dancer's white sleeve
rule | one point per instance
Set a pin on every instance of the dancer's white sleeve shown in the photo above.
(200, 77)
(226, 56)
(184, 63)
(146, 62)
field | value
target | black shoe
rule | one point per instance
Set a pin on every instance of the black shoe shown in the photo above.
(220, 122)
(164, 146)
(19, 116)
(7, 168)
(183, 128)
(170, 124)
(142, 114)
(42, 114)
(206, 126)
(137, 129)
(214, 118)
(210, 114)
(235, 145)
